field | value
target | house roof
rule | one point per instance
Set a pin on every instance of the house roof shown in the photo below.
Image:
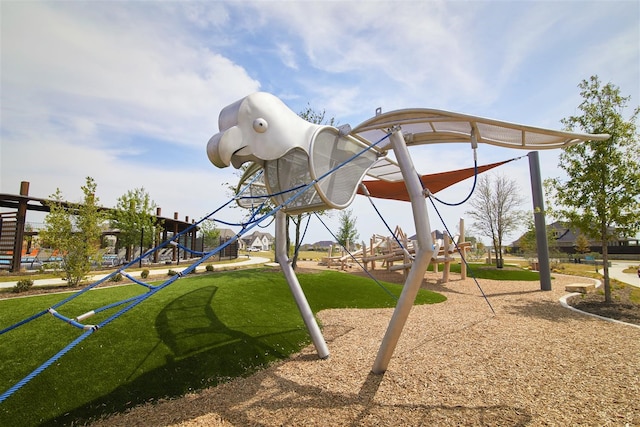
(226, 233)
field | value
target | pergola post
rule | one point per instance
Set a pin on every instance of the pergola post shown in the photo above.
(21, 219)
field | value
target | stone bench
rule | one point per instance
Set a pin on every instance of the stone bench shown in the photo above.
(582, 288)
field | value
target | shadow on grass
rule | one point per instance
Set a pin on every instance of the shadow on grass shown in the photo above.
(200, 344)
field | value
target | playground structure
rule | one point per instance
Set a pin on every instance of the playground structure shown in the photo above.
(298, 167)
(396, 252)
(323, 167)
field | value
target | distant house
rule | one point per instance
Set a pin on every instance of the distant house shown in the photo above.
(566, 241)
(226, 233)
(322, 245)
(257, 240)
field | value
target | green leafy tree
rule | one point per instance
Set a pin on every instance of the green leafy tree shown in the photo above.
(134, 218)
(495, 210)
(347, 233)
(529, 242)
(601, 196)
(210, 234)
(75, 230)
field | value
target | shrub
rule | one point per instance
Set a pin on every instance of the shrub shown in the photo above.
(209, 267)
(145, 273)
(172, 273)
(23, 285)
(116, 278)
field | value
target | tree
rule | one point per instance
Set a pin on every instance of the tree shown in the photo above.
(210, 234)
(582, 244)
(347, 234)
(601, 196)
(134, 218)
(495, 212)
(529, 242)
(75, 231)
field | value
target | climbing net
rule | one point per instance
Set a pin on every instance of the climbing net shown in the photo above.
(119, 308)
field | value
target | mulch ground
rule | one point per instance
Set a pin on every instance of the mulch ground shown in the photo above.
(532, 362)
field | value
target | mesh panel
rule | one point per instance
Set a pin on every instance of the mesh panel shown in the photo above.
(384, 169)
(452, 126)
(329, 151)
(499, 133)
(539, 138)
(256, 191)
(288, 172)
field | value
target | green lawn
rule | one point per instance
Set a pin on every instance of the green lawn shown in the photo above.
(486, 271)
(196, 333)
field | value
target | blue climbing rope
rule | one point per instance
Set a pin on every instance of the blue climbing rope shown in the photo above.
(464, 259)
(431, 198)
(473, 187)
(304, 233)
(135, 301)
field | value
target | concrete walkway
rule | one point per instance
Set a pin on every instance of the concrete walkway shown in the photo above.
(615, 272)
(161, 271)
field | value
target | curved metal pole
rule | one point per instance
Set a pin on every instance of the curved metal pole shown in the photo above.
(296, 289)
(423, 255)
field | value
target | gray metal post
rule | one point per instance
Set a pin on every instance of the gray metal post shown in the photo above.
(539, 222)
(296, 289)
(422, 256)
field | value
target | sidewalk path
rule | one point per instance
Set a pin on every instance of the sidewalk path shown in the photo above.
(163, 271)
(615, 272)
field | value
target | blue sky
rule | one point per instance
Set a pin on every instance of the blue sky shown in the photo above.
(129, 92)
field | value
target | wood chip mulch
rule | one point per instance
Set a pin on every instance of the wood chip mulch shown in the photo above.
(533, 362)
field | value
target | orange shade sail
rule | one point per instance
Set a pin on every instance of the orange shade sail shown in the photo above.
(434, 182)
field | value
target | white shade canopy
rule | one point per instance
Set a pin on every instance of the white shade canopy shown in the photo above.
(428, 126)
(260, 128)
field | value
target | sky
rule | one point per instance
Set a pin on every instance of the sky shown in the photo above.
(129, 92)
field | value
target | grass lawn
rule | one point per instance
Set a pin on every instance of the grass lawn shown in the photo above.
(201, 330)
(487, 271)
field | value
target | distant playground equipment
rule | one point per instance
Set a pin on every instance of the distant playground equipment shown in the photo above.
(396, 252)
(296, 166)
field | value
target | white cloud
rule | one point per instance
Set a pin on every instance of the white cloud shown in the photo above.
(287, 55)
(89, 90)
(110, 89)
(130, 79)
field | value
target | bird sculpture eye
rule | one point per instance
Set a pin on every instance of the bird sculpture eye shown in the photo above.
(260, 125)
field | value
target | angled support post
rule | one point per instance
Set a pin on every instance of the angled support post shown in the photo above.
(296, 289)
(422, 256)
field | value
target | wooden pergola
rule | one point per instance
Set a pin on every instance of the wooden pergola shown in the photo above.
(12, 223)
